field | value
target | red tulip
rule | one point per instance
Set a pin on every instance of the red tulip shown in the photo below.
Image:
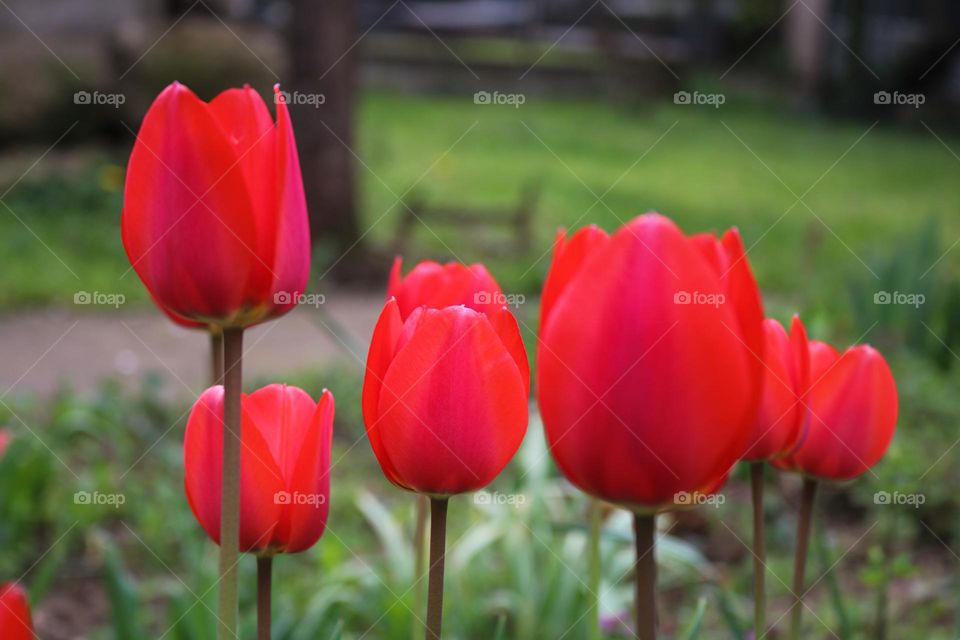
(438, 285)
(783, 412)
(284, 472)
(214, 216)
(4, 441)
(853, 413)
(445, 397)
(649, 363)
(15, 621)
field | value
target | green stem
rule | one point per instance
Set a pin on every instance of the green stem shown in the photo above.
(264, 588)
(216, 355)
(593, 542)
(644, 529)
(438, 541)
(888, 545)
(419, 559)
(759, 552)
(800, 558)
(230, 506)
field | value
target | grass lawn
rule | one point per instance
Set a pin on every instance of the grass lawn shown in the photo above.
(863, 189)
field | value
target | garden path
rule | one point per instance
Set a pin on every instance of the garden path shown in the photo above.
(47, 348)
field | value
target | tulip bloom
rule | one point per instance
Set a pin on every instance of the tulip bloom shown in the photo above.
(4, 441)
(783, 413)
(285, 464)
(15, 620)
(445, 405)
(853, 413)
(445, 397)
(779, 427)
(649, 361)
(438, 285)
(214, 215)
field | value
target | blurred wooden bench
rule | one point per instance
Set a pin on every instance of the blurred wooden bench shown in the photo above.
(491, 230)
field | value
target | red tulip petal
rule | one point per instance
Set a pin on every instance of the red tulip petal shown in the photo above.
(282, 414)
(15, 620)
(800, 347)
(453, 397)
(383, 346)
(505, 326)
(744, 294)
(781, 417)
(436, 286)
(568, 258)
(291, 266)
(247, 123)
(822, 358)
(305, 519)
(203, 459)
(396, 278)
(260, 482)
(188, 225)
(260, 477)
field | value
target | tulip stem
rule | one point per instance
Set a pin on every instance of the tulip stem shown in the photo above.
(230, 506)
(800, 559)
(419, 557)
(644, 530)
(216, 355)
(759, 552)
(438, 542)
(264, 587)
(596, 520)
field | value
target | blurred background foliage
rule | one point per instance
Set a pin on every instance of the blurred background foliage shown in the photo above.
(838, 198)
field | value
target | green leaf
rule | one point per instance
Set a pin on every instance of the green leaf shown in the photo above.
(693, 630)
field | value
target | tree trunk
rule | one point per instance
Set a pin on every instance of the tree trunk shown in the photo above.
(324, 65)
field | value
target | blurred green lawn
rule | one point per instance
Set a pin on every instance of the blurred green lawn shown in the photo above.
(866, 188)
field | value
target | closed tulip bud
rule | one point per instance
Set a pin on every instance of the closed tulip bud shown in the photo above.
(15, 620)
(783, 413)
(438, 285)
(853, 413)
(649, 361)
(445, 397)
(214, 214)
(285, 465)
